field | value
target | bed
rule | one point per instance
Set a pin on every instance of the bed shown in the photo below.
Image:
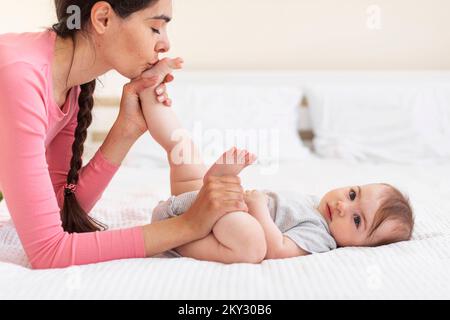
(417, 269)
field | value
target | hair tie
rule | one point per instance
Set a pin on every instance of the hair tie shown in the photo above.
(69, 189)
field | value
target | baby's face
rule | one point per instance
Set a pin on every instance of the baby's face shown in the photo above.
(350, 211)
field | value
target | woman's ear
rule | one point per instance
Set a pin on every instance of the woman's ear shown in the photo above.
(101, 15)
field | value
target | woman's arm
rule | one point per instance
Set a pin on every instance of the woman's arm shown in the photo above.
(29, 191)
(217, 197)
(95, 176)
(130, 123)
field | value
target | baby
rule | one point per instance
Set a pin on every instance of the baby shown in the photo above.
(277, 225)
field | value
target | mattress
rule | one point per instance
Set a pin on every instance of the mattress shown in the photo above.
(416, 269)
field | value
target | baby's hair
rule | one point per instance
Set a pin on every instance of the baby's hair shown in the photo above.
(395, 206)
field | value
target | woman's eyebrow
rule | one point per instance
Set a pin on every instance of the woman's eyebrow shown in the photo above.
(162, 17)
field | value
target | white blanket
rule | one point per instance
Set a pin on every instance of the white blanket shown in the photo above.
(414, 270)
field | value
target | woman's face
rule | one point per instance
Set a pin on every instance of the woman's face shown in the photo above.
(132, 45)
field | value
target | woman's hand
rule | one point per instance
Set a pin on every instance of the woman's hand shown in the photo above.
(219, 196)
(131, 119)
(162, 73)
(255, 197)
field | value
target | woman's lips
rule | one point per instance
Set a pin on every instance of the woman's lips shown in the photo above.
(329, 212)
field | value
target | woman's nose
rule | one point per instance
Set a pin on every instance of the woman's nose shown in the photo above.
(163, 46)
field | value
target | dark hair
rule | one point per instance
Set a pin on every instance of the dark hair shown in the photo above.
(74, 218)
(394, 206)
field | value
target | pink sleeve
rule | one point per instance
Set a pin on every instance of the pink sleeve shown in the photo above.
(93, 178)
(28, 189)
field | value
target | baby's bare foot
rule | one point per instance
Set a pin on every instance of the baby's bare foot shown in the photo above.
(163, 68)
(231, 163)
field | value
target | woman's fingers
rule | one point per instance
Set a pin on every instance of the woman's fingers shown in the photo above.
(233, 205)
(169, 78)
(161, 71)
(138, 85)
(168, 103)
(223, 179)
(226, 189)
(162, 98)
(160, 89)
(218, 196)
(163, 68)
(232, 187)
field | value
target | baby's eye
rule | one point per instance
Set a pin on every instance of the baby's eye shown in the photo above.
(156, 31)
(357, 220)
(352, 194)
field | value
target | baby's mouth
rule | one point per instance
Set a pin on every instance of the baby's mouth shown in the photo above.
(329, 213)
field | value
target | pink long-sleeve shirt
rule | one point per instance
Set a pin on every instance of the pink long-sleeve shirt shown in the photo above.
(36, 138)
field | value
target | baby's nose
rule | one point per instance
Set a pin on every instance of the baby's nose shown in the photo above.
(341, 208)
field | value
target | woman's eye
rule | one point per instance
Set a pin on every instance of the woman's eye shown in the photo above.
(357, 220)
(156, 31)
(352, 194)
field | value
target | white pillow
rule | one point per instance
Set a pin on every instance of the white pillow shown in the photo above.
(373, 122)
(261, 118)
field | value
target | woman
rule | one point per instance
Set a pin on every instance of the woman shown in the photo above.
(47, 82)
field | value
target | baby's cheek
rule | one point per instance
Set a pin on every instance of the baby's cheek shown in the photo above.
(342, 238)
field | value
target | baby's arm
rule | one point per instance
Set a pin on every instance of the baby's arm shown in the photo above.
(186, 167)
(278, 245)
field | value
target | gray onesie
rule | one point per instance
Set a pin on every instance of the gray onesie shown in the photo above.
(295, 214)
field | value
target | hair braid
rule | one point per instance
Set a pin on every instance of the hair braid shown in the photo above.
(74, 218)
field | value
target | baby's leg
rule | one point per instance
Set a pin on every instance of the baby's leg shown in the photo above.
(188, 176)
(187, 169)
(236, 238)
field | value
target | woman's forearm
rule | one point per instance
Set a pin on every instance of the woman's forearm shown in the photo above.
(117, 144)
(168, 234)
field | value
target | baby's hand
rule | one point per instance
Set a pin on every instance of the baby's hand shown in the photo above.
(256, 200)
(161, 73)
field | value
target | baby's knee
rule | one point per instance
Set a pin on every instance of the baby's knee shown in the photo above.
(247, 234)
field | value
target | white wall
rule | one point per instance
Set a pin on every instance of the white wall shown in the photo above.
(26, 15)
(291, 34)
(313, 34)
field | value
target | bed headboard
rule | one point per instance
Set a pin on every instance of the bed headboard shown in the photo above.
(107, 98)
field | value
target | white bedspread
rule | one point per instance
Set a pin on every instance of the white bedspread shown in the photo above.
(414, 269)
